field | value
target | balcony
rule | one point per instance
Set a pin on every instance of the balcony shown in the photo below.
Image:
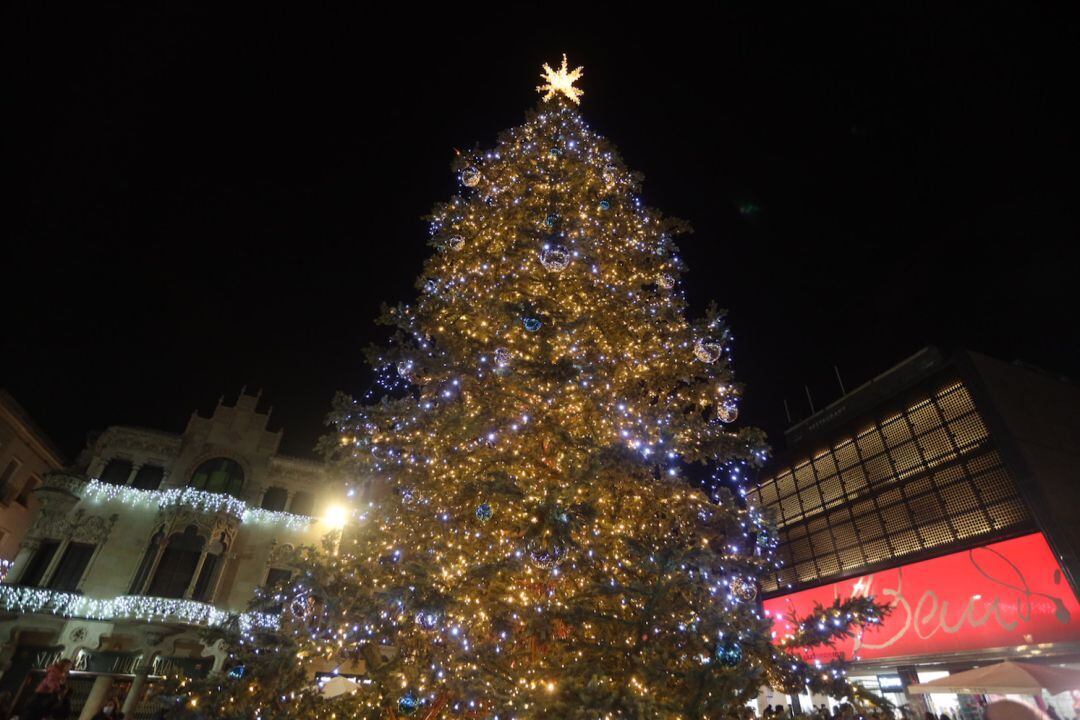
(96, 492)
(33, 600)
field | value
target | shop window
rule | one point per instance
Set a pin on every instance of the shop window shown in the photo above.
(220, 475)
(116, 472)
(39, 563)
(302, 504)
(149, 477)
(275, 498)
(177, 566)
(72, 565)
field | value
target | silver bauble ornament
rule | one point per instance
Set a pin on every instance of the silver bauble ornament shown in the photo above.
(555, 258)
(470, 177)
(708, 351)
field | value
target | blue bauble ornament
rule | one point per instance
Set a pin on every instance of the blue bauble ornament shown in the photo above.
(484, 512)
(554, 153)
(408, 703)
(550, 220)
(532, 324)
(605, 205)
(729, 653)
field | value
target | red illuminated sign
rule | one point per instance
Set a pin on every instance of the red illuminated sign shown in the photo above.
(1000, 595)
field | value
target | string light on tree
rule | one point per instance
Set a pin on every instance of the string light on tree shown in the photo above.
(607, 584)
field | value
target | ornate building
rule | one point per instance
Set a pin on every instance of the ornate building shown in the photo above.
(154, 538)
(26, 454)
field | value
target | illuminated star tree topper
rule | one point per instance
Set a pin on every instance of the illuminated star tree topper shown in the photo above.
(561, 81)
(535, 546)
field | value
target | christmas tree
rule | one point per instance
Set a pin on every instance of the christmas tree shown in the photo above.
(540, 552)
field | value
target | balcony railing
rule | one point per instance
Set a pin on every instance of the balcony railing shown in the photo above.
(99, 492)
(31, 600)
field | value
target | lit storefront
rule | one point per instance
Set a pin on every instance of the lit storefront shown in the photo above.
(938, 487)
(1001, 600)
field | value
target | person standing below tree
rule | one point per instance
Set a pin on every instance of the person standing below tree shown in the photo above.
(61, 709)
(48, 694)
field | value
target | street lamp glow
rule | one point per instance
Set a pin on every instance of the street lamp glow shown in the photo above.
(336, 516)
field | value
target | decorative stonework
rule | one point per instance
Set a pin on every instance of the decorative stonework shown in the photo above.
(92, 528)
(79, 527)
(296, 472)
(60, 483)
(141, 442)
(280, 554)
(210, 525)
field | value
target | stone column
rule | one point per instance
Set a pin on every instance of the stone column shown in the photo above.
(190, 591)
(131, 475)
(215, 580)
(162, 544)
(95, 467)
(98, 694)
(46, 577)
(135, 693)
(29, 547)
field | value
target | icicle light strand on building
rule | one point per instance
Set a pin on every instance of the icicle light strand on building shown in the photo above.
(544, 551)
(97, 491)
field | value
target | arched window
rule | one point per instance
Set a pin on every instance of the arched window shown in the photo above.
(116, 472)
(275, 577)
(177, 565)
(302, 504)
(148, 478)
(275, 498)
(220, 475)
(147, 564)
(72, 566)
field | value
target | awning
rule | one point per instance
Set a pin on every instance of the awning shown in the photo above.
(1005, 677)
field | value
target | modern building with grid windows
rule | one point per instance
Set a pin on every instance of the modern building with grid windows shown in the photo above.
(949, 486)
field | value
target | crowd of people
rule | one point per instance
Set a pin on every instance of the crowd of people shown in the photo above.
(841, 711)
(51, 699)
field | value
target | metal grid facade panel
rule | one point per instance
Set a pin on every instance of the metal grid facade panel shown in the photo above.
(912, 481)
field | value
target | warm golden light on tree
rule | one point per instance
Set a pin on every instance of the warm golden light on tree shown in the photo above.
(540, 552)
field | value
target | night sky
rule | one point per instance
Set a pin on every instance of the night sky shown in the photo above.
(199, 201)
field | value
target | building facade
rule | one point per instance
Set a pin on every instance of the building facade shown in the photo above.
(26, 455)
(156, 537)
(947, 486)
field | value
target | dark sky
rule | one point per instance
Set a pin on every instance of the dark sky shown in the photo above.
(202, 199)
